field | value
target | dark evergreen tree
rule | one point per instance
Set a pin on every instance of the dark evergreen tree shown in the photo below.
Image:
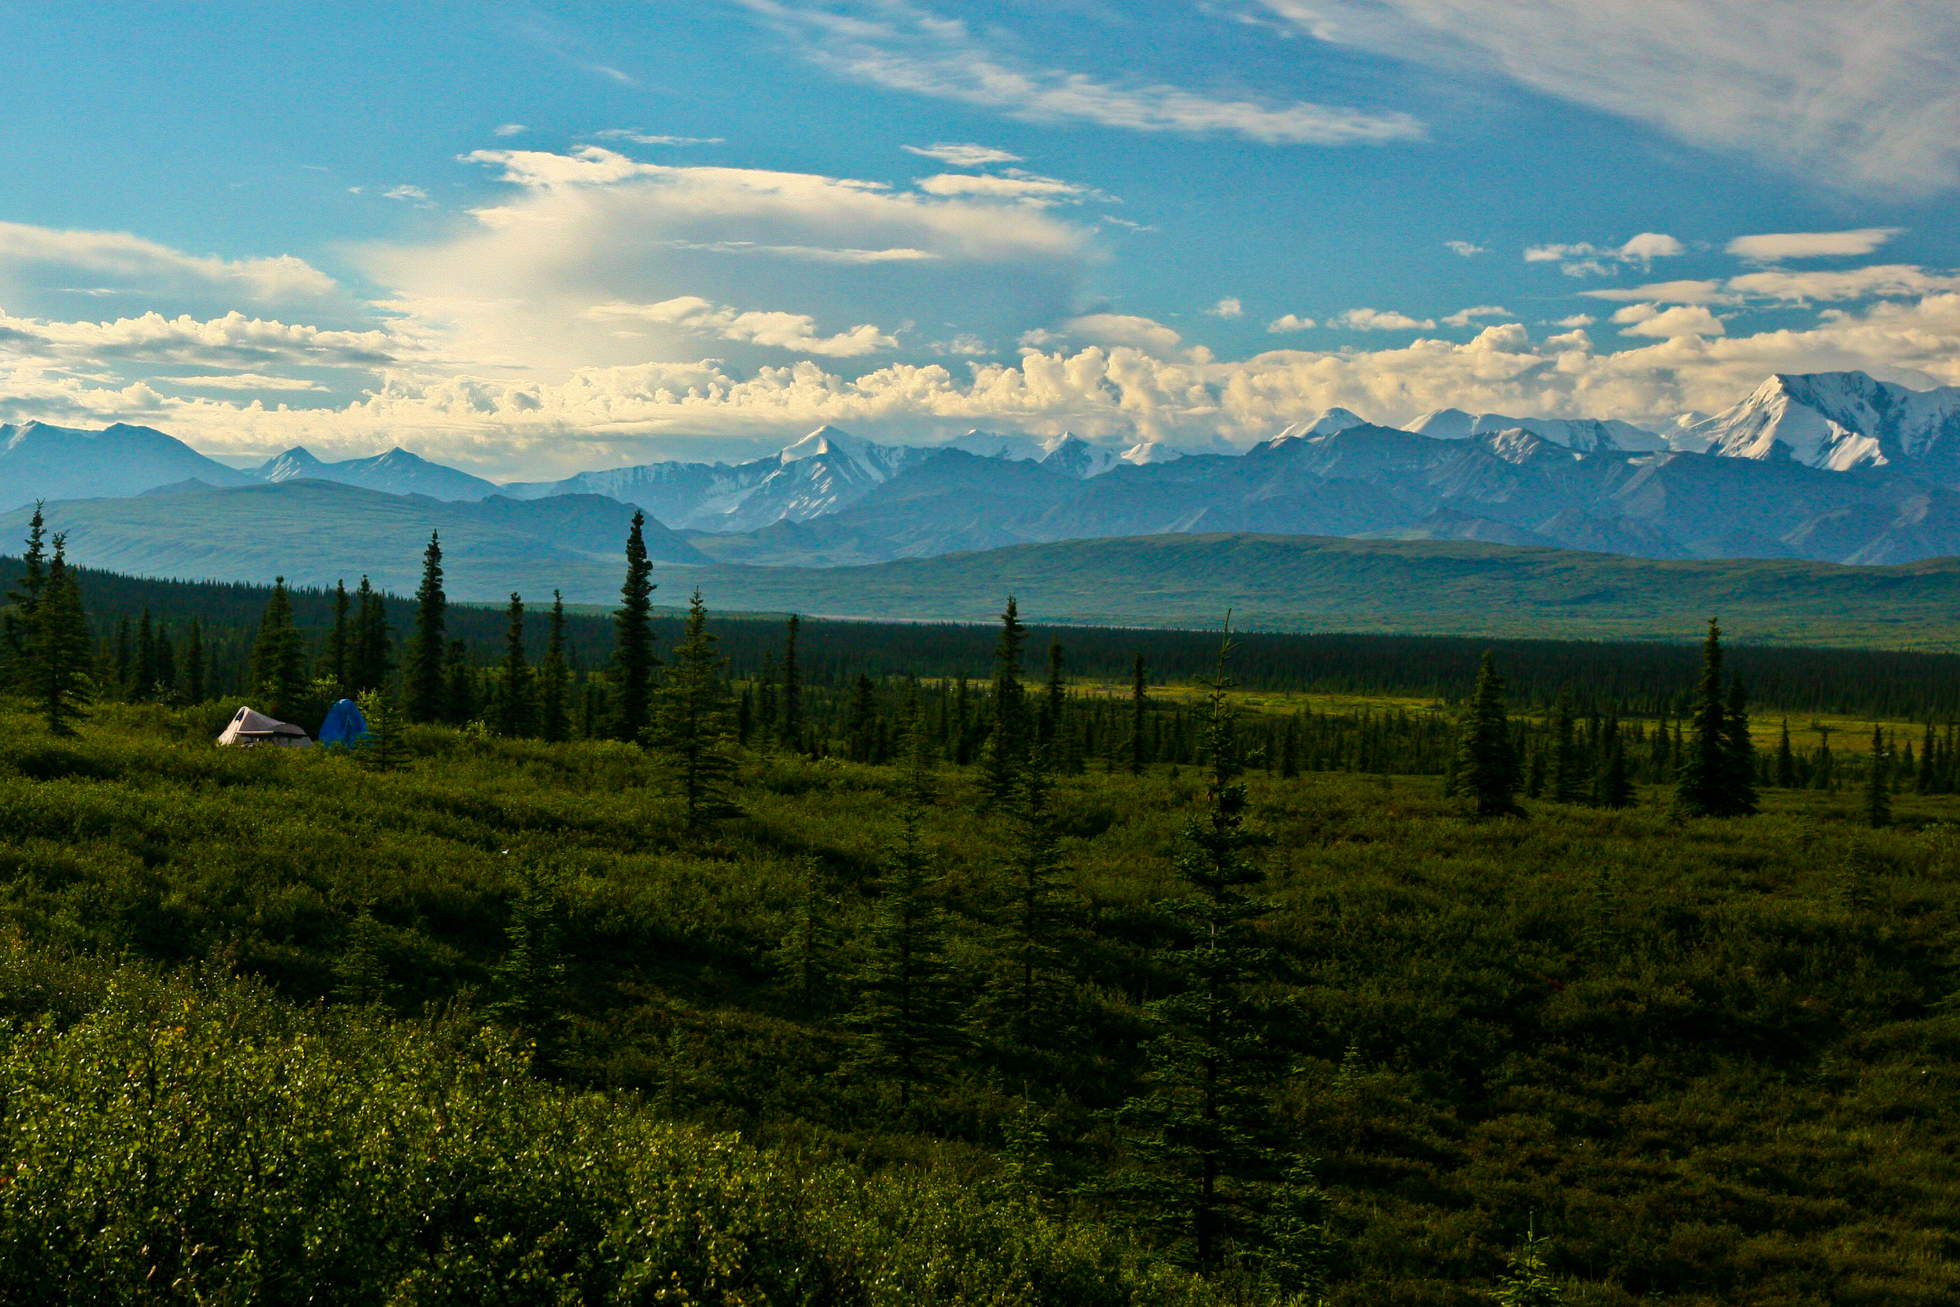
(1202, 1129)
(1570, 783)
(1007, 742)
(143, 682)
(1486, 761)
(164, 659)
(424, 692)
(1703, 782)
(514, 683)
(196, 672)
(554, 708)
(124, 658)
(1289, 749)
(384, 749)
(17, 621)
(692, 725)
(59, 647)
(279, 654)
(903, 1016)
(459, 697)
(370, 654)
(340, 641)
(1786, 760)
(792, 685)
(1036, 989)
(633, 661)
(530, 979)
(765, 699)
(1878, 783)
(1739, 755)
(860, 729)
(1615, 785)
(1139, 718)
(1048, 723)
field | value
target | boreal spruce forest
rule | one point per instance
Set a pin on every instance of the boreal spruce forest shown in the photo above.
(651, 954)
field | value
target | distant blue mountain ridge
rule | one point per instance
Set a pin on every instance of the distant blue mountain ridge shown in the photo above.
(1834, 467)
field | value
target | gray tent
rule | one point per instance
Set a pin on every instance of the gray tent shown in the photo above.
(249, 728)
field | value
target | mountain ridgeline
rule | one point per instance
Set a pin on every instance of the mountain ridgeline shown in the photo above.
(1832, 467)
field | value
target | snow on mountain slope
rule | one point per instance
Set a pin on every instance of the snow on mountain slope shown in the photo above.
(396, 472)
(1150, 451)
(1324, 423)
(1073, 456)
(1587, 435)
(1838, 421)
(40, 461)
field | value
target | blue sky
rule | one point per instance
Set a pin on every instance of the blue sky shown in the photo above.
(530, 238)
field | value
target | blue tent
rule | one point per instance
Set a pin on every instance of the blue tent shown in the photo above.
(344, 725)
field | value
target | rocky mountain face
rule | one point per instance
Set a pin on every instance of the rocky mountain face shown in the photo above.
(396, 472)
(1833, 467)
(39, 461)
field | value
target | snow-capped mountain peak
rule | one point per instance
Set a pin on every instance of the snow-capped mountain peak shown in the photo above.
(1073, 456)
(1324, 423)
(1837, 420)
(1150, 451)
(1586, 435)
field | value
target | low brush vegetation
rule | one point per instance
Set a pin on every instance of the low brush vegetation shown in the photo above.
(504, 1024)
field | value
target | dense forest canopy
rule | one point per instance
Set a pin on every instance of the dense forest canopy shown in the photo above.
(1641, 678)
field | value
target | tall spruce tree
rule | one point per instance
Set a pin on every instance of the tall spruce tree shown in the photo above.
(279, 654)
(514, 682)
(1878, 782)
(1703, 778)
(196, 671)
(1786, 758)
(17, 622)
(459, 696)
(1486, 759)
(1007, 743)
(1054, 699)
(554, 707)
(145, 679)
(59, 647)
(1035, 991)
(904, 1010)
(1569, 781)
(1202, 1129)
(691, 728)
(370, 655)
(423, 683)
(792, 714)
(1615, 785)
(861, 726)
(1739, 755)
(340, 641)
(633, 661)
(1139, 718)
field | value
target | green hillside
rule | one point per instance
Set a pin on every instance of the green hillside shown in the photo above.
(1317, 583)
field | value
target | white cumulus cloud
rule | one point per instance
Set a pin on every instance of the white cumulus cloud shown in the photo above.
(1379, 320)
(1229, 307)
(1583, 258)
(1681, 320)
(1290, 322)
(1462, 317)
(790, 331)
(1465, 248)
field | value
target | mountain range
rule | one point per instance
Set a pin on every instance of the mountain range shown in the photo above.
(1832, 467)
